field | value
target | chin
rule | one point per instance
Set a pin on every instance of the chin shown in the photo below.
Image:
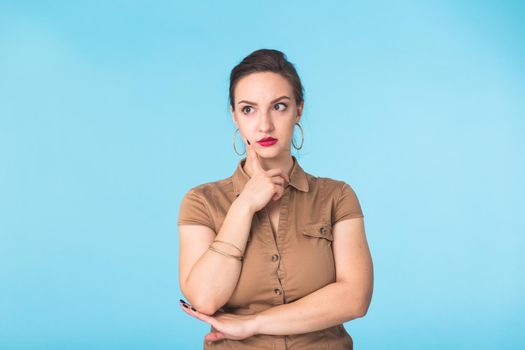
(269, 153)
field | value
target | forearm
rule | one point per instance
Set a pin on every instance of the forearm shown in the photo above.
(329, 306)
(214, 276)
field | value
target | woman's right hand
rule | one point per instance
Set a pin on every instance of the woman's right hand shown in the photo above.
(264, 185)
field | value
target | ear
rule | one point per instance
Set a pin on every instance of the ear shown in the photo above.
(299, 112)
(234, 118)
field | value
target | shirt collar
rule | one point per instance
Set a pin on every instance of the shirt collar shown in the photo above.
(298, 177)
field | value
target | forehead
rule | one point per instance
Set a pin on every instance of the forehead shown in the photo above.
(262, 86)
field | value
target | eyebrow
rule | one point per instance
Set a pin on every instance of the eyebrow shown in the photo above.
(253, 103)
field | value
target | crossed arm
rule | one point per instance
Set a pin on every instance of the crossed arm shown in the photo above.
(347, 298)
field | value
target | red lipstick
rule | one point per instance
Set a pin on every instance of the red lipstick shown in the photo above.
(267, 141)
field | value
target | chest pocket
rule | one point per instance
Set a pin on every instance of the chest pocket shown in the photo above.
(319, 230)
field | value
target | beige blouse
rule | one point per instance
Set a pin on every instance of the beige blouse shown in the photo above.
(280, 267)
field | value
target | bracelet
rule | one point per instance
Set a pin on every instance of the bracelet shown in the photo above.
(231, 244)
(238, 257)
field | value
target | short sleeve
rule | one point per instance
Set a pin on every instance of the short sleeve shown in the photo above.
(347, 205)
(193, 211)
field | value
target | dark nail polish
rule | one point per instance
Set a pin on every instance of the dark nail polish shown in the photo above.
(186, 306)
(182, 301)
(248, 141)
(194, 309)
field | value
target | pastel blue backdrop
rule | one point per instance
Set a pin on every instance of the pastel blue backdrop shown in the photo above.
(111, 110)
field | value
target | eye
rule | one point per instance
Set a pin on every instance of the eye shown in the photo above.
(244, 109)
(284, 104)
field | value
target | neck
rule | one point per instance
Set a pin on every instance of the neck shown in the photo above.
(283, 161)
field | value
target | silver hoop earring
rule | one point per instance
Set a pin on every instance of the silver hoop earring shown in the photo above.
(234, 147)
(302, 138)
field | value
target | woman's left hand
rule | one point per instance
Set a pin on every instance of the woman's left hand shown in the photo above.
(226, 325)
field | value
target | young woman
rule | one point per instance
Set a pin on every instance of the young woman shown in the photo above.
(273, 257)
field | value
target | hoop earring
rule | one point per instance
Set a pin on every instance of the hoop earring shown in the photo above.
(302, 136)
(234, 147)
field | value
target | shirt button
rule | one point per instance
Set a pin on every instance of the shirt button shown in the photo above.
(275, 257)
(277, 291)
(323, 230)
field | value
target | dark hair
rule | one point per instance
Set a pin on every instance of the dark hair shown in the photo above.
(266, 60)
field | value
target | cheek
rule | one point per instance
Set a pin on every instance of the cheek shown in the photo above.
(288, 129)
(248, 127)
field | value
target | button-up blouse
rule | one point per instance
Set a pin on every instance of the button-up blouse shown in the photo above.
(280, 267)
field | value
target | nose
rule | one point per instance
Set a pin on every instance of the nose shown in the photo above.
(265, 123)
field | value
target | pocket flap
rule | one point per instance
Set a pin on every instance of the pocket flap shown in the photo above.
(320, 230)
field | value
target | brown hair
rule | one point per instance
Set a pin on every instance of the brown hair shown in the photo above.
(266, 60)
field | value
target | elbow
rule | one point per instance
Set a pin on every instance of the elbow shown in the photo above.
(202, 303)
(202, 306)
(205, 307)
(196, 300)
(362, 304)
(355, 310)
(360, 312)
(362, 309)
(202, 299)
(357, 304)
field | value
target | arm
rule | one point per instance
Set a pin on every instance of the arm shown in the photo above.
(347, 298)
(208, 279)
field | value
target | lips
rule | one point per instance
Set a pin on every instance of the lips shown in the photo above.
(267, 139)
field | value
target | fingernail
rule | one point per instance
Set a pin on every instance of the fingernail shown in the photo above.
(182, 301)
(248, 141)
(186, 306)
(194, 309)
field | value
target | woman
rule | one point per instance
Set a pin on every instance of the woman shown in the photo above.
(273, 257)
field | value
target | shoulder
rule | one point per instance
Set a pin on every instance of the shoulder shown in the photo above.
(208, 190)
(202, 204)
(331, 182)
(328, 185)
(338, 195)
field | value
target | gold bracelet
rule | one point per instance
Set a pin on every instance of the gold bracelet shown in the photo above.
(240, 258)
(231, 244)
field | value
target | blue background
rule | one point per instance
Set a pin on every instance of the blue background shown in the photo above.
(111, 111)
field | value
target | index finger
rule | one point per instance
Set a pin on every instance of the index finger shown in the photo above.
(253, 158)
